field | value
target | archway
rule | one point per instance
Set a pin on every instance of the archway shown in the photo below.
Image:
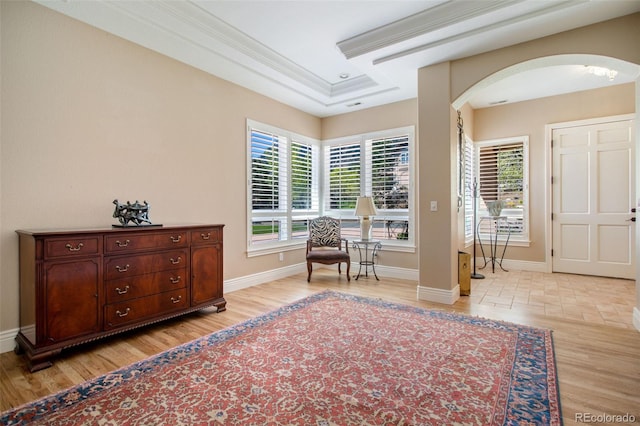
(569, 64)
(626, 71)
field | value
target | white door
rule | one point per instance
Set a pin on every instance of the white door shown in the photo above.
(593, 194)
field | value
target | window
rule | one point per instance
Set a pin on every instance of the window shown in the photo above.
(283, 187)
(379, 165)
(390, 182)
(290, 182)
(343, 176)
(469, 176)
(502, 172)
(342, 167)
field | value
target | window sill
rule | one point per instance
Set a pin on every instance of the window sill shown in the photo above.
(273, 249)
(298, 245)
(402, 248)
(513, 242)
(517, 243)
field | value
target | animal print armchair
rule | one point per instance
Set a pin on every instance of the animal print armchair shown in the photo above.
(325, 245)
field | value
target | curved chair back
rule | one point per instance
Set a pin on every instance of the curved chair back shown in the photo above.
(324, 231)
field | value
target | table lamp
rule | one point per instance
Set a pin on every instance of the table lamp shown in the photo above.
(364, 209)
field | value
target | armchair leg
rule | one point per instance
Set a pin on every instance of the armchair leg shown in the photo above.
(348, 271)
(309, 269)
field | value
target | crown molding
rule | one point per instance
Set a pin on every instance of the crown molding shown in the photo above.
(351, 85)
(208, 31)
(445, 15)
(419, 24)
(477, 31)
(201, 28)
(188, 31)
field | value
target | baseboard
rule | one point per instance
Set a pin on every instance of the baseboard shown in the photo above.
(514, 265)
(636, 318)
(263, 277)
(275, 274)
(8, 340)
(438, 295)
(390, 272)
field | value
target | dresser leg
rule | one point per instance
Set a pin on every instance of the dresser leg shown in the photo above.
(221, 305)
(41, 362)
(36, 360)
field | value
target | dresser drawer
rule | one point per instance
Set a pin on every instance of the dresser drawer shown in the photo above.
(206, 236)
(128, 266)
(126, 243)
(145, 285)
(75, 246)
(120, 314)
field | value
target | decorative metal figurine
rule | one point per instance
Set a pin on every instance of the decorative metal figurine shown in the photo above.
(136, 213)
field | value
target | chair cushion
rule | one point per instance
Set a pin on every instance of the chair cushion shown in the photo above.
(328, 255)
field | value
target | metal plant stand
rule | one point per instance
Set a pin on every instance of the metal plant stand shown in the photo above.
(371, 246)
(499, 225)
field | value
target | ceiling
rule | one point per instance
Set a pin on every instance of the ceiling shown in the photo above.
(330, 57)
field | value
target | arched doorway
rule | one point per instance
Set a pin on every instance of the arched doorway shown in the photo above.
(447, 84)
(555, 65)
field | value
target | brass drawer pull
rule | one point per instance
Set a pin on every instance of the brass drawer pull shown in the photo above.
(174, 300)
(76, 248)
(175, 261)
(175, 280)
(122, 269)
(121, 244)
(125, 291)
(176, 239)
(123, 314)
(206, 236)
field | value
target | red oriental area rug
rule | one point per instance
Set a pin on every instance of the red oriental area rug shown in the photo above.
(329, 359)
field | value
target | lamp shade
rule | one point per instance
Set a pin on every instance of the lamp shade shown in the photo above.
(365, 207)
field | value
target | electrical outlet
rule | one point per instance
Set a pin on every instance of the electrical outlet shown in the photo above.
(434, 206)
(281, 257)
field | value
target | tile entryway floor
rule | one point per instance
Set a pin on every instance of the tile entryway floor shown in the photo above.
(608, 301)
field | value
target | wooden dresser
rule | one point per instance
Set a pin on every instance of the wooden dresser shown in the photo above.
(81, 285)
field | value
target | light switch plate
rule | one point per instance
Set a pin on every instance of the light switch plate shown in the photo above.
(434, 206)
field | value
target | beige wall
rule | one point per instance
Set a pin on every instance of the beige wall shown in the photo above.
(438, 230)
(398, 114)
(529, 119)
(88, 117)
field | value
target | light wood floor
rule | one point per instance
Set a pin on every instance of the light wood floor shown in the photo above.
(597, 349)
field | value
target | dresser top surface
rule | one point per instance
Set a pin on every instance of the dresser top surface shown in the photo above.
(114, 229)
